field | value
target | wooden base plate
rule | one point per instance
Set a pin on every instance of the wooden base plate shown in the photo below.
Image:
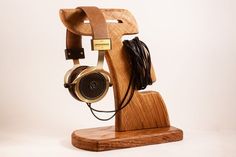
(106, 138)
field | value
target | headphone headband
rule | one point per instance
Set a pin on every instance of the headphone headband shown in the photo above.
(100, 41)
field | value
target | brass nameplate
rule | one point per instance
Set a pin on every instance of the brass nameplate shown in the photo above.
(101, 44)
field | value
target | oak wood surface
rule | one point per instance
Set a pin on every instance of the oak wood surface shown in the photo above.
(106, 138)
(146, 109)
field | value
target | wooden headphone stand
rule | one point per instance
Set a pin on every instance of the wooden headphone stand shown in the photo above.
(145, 120)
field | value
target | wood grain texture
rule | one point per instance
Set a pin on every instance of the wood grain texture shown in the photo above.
(146, 109)
(106, 138)
(145, 120)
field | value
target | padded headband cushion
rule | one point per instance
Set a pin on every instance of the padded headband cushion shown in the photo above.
(99, 31)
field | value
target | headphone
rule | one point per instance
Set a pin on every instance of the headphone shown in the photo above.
(88, 83)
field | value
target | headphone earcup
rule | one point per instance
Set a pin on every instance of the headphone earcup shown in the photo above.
(72, 77)
(93, 86)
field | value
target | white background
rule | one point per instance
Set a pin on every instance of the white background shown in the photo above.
(193, 48)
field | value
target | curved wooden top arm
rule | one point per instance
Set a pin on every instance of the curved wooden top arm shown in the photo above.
(74, 19)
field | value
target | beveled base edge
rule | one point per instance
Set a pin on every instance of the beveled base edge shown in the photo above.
(106, 138)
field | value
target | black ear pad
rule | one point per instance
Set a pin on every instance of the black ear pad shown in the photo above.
(72, 77)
